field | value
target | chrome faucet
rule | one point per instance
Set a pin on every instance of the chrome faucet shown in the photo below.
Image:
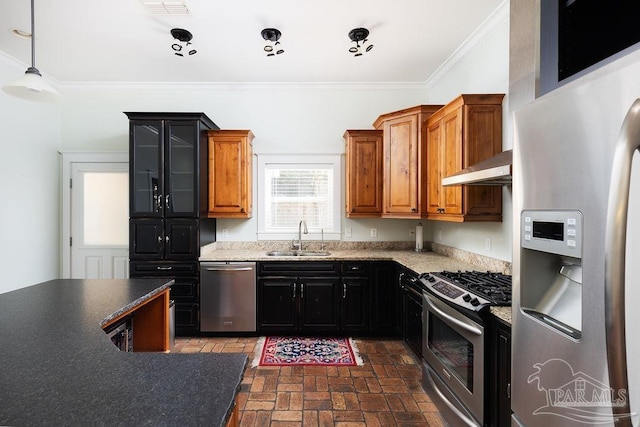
(300, 231)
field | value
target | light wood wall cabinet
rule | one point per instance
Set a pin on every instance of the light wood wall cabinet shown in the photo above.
(363, 173)
(463, 133)
(404, 164)
(230, 173)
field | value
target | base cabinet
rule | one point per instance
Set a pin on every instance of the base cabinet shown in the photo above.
(383, 291)
(313, 297)
(292, 304)
(500, 403)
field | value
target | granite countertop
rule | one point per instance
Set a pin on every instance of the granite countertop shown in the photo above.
(59, 367)
(420, 262)
(503, 313)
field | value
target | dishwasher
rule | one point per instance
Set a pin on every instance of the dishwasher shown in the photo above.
(227, 296)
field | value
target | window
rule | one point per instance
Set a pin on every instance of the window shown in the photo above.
(292, 188)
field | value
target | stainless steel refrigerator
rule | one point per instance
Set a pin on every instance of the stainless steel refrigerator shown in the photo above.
(576, 253)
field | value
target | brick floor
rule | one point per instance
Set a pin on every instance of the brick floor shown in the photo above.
(385, 391)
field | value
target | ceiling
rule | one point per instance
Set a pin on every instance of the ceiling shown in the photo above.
(121, 41)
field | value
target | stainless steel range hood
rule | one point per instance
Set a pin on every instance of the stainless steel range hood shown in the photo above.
(493, 171)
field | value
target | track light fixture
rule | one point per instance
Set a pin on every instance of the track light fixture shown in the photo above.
(358, 35)
(272, 37)
(182, 41)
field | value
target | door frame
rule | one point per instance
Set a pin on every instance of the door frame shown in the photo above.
(67, 159)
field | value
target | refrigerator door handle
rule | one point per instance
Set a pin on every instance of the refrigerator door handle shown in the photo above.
(615, 246)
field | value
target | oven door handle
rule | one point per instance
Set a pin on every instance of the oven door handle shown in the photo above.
(452, 319)
(451, 406)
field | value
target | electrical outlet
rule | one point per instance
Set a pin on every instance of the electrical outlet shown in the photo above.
(412, 232)
(348, 232)
(487, 243)
(225, 233)
(374, 232)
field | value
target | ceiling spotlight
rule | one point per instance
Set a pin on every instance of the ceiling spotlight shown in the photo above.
(272, 37)
(182, 41)
(358, 35)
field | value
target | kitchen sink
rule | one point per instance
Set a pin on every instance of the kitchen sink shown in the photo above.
(298, 253)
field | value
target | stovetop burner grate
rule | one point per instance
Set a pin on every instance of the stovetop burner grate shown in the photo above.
(495, 287)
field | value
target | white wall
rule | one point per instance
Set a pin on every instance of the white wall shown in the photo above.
(30, 206)
(285, 118)
(479, 67)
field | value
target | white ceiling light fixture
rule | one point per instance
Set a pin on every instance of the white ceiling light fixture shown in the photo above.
(358, 35)
(32, 86)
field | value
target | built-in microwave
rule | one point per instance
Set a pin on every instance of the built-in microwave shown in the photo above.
(578, 36)
(121, 335)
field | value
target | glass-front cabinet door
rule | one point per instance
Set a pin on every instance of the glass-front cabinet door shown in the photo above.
(181, 177)
(147, 184)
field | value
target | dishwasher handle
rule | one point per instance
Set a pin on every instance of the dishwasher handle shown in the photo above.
(229, 268)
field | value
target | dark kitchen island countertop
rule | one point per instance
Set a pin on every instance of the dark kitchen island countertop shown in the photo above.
(58, 367)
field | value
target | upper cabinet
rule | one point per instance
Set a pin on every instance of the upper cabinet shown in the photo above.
(230, 173)
(463, 133)
(165, 172)
(363, 173)
(404, 163)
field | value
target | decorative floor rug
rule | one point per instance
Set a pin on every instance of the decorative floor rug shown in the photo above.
(306, 351)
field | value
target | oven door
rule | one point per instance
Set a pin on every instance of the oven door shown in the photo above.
(453, 348)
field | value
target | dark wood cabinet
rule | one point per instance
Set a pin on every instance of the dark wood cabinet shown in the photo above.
(354, 295)
(168, 204)
(157, 239)
(500, 374)
(298, 297)
(314, 297)
(277, 305)
(319, 303)
(384, 284)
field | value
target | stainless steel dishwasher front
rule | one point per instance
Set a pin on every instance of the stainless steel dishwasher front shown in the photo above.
(227, 296)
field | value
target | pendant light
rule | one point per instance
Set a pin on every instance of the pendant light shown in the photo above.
(32, 86)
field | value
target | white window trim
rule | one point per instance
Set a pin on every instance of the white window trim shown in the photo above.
(332, 160)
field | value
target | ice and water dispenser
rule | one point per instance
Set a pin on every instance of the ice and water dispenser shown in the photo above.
(551, 268)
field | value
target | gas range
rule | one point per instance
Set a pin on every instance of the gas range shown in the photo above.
(472, 290)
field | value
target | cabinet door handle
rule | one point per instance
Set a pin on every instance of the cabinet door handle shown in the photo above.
(295, 285)
(400, 280)
(166, 239)
(167, 267)
(414, 209)
(166, 201)
(159, 239)
(158, 203)
(344, 290)
(301, 290)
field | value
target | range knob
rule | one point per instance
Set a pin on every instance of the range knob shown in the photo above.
(466, 297)
(475, 302)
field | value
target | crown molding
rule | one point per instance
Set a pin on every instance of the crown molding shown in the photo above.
(477, 38)
(245, 86)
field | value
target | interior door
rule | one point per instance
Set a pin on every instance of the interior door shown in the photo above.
(99, 220)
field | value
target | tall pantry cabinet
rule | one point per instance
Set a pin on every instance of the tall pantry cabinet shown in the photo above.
(168, 204)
